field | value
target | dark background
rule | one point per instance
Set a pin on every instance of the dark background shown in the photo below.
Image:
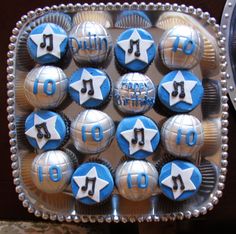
(220, 219)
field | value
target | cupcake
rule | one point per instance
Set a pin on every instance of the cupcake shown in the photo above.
(135, 49)
(209, 62)
(136, 180)
(90, 44)
(47, 43)
(92, 183)
(179, 180)
(46, 130)
(180, 91)
(45, 87)
(133, 19)
(90, 87)
(23, 59)
(92, 131)
(52, 170)
(99, 17)
(137, 137)
(181, 47)
(182, 135)
(134, 93)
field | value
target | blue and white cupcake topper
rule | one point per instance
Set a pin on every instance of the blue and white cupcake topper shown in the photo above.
(89, 87)
(137, 137)
(180, 91)
(47, 43)
(135, 49)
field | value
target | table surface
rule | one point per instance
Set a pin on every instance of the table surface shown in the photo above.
(10, 206)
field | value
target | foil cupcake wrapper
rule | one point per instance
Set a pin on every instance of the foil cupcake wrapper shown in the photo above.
(210, 60)
(133, 19)
(211, 98)
(212, 138)
(99, 17)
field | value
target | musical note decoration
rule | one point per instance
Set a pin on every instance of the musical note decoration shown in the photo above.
(141, 135)
(45, 133)
(132, 43)
(43, 130)
(84, 89)
(135, 139)
(90, 185)
(179, 89)
(178, 180)
(135, 47)
(44, 43)
(176, 90)
(88, 86)
(47, 41)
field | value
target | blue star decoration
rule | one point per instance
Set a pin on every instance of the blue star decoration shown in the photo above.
(45, 130)
(92, 183)
(180, 91)
(137, 137)
(179, 180)
(135, 49)
(89, 87)
(47, 43)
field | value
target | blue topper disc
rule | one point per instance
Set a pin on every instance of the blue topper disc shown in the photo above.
(137, 137)
(47, 43)
(135, 49)
(90, 87)
(179, 180)
(180, 91)
(45, 130)
(92, 183)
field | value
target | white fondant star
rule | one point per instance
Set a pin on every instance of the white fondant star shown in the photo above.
(188, 86)
(57, 39)
(149, 134)
(98, 184)
(185, 176)
(144, 45)
(51, 127)
(97, 82)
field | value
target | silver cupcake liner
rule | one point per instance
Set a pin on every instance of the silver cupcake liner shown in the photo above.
(211, 98)
(212, 137)
(99, 17)
(133, 19)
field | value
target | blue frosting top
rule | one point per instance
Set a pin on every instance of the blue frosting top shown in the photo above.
(180, 91)
(89, 87)
(135, 49)
(179, 180)
(45, 130)
(47, 43)
(92, 183)
(137, 137)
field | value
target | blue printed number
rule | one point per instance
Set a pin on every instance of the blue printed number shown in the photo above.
(142, 181)
(54, 171)
(96, 132)
(188, 46)
(191, 137)
(49, 87)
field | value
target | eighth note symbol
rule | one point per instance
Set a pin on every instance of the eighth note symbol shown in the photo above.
(176, 92)
(135, 139)
(175, 179)
(130, 50)
(44, 43)
(85, 187)
(84, 89)
(40, 134)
